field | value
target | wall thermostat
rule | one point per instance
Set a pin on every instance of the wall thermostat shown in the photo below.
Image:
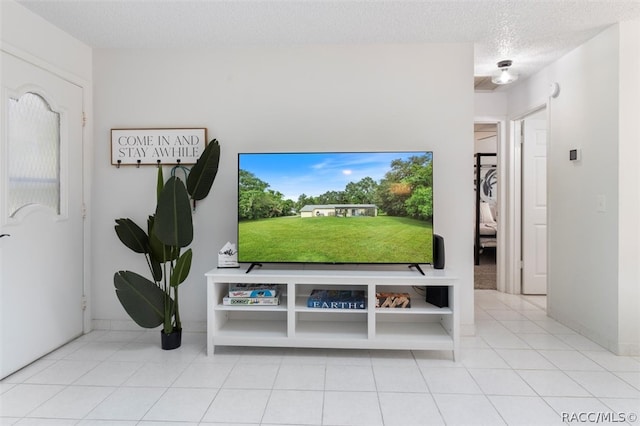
(575, 154)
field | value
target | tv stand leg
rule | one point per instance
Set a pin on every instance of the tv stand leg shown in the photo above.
(416, 266)
(253, 265)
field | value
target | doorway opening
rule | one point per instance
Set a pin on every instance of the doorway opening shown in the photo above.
(486, 206)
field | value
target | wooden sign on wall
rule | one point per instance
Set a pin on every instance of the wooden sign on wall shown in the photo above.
(153, 146)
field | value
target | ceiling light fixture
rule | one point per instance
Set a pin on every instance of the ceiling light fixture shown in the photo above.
(504, 76)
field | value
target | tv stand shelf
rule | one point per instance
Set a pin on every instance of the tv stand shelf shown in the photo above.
(293, 324)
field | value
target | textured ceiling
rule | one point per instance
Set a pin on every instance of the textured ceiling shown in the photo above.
(532, 33)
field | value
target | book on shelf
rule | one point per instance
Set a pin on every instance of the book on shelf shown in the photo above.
(253, 290)
(337, 299)
(265, 301)
(393, 300)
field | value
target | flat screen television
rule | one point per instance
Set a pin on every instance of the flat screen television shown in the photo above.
(335, 207)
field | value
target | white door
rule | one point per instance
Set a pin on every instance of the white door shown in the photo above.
(534, 207)
(41, 254)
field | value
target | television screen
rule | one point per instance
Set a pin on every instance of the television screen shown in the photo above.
(335, 207)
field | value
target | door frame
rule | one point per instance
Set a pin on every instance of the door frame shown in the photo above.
(87, 155)
(514, 209)
(502, 196)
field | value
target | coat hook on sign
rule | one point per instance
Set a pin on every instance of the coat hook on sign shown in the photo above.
(118, 165)
(138, 163)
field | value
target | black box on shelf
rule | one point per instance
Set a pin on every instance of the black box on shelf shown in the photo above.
(438, 295)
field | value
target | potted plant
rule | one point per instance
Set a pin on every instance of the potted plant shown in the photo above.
(153, 302)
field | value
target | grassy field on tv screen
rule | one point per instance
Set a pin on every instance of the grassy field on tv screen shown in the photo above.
(380, 239)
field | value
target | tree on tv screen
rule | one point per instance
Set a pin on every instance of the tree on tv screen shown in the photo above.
(257, 201)
(407, 189)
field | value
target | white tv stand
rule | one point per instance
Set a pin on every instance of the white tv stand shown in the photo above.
(293, 324)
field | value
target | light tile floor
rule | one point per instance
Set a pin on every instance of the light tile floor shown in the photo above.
(521, 368)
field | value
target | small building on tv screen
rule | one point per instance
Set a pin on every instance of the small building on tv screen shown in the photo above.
(339, 210)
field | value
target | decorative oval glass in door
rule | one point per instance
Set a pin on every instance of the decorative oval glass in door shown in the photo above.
(33, 154)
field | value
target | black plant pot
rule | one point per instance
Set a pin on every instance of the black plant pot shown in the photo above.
(172, 340)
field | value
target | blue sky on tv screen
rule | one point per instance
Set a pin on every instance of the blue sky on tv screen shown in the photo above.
(313, 174)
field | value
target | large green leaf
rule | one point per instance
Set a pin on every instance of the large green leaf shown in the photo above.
(132, 235)
(142, 299)
(182, 268)
(204, 172)
(160, 253)
(173, 224)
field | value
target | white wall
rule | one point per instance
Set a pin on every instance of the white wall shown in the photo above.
(485, 144)
(629, 190)
(490, 104)
(586, 281)
(31, 37)
(378, 97)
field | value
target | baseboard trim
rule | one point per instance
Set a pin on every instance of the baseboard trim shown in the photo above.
(130, 325)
